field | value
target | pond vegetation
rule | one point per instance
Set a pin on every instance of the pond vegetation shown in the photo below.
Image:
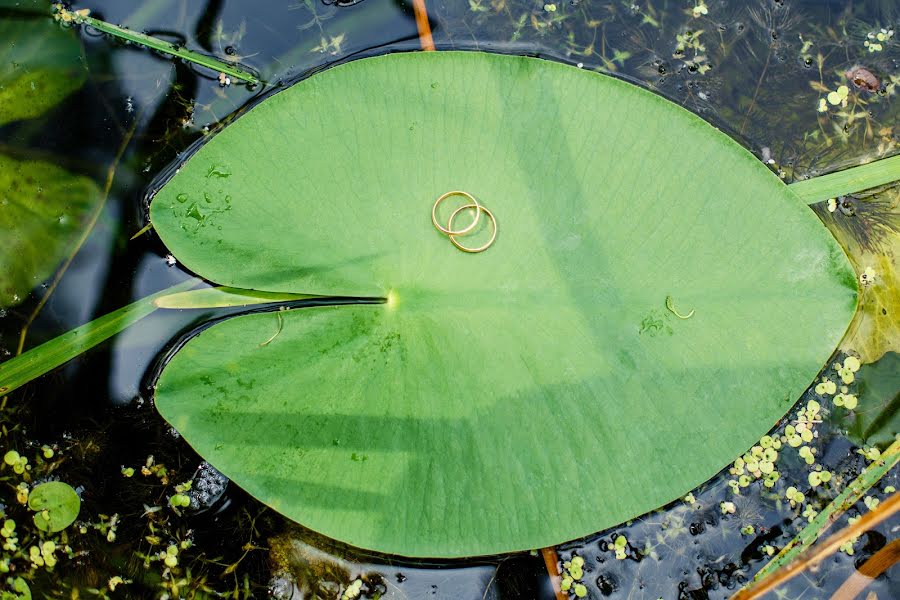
(103, 499)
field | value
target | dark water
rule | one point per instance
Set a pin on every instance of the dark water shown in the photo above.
(752, 79)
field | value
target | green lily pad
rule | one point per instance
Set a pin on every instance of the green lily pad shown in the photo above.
(43, 209)
(877, 420)
(56, 505)
(40, 64)
(490, 389)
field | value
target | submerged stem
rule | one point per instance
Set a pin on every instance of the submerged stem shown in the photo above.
(85, 233)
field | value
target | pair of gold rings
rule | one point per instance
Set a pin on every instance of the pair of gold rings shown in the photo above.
(453, 234)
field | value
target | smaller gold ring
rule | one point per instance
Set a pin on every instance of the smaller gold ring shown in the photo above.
(479, 248)
(449, 230)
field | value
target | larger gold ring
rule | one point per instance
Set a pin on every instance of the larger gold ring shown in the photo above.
(480, 209)
(449, 230)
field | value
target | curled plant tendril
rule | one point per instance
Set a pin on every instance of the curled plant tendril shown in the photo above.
(671, 306)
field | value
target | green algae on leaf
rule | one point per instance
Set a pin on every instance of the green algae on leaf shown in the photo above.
(433, 424)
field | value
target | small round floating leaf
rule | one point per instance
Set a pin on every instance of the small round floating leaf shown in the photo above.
(433, 424)
(56, 505)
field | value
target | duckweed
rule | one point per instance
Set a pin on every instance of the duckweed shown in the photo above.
(619, 546)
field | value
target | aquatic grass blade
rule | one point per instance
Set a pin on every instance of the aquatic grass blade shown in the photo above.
(42, 359)
(224, 297)
(848, 181)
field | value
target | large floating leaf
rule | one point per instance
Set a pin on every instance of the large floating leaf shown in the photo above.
(870, 233)
(507, 400)
(40, 64)
(878, 419)
(42, 210)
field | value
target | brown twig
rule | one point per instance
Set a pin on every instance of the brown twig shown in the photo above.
(877, 564)
(882, 512)
(424, 26)
(551, 560)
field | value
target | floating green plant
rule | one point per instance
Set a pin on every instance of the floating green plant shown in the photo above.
(82, 17)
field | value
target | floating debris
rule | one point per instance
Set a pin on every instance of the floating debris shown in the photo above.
(863, 78)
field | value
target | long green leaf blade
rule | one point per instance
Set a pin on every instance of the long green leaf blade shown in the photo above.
(848, 181)
(42, 359)
(224, 297)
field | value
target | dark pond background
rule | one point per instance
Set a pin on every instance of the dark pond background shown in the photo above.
(755, 76)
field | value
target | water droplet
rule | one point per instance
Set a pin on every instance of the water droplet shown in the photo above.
(182, 198)
(193, 212)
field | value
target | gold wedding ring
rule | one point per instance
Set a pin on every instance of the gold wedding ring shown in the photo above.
(453, 234)
(480, 209)
(449, 230)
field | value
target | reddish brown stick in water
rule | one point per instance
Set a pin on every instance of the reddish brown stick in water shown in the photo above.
(869, 520)
(880, 562)
(425, 38)
(551, 560)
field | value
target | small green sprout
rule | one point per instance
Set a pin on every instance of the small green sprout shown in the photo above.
(768, 549)
(353, 590)
(179, 501)
(127, 472)
(846, 371)
(848, 401)
(47, 451)
(727, 508)
(794, 496)
(670, 305)
(550, 8)
(847, 547)
(748, 530)
(871, 502)
(890, 489)
(619, 546)
(817, 478)
(875, 40)
(689, 499)
(700, 10)
(170, 556)
(827, 387)
(573, 570)
(870, 452)
(808, 454)
(18, 463)
(10, 541)
(810, 513)
(839, 96)
(22, 493)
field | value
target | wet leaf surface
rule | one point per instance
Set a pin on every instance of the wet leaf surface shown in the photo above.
(460, 400)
